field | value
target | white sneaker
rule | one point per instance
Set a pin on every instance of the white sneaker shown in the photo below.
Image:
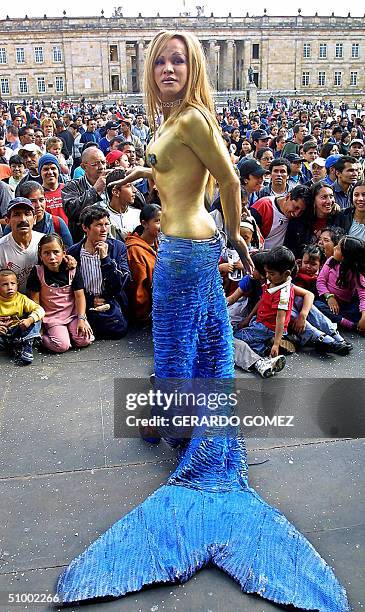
(270, 366)
(277, 363)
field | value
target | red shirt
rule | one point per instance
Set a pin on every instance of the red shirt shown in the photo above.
(54, 202)
(274, 299)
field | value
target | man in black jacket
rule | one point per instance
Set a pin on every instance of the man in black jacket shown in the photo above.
(89, 189)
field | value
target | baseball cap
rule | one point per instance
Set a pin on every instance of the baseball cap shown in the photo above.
(29, 148)
(111, 125)
(250, 166)
(294, 157)
(319, 161)
(259, 135)
(357, 141)
(19, 202)
(331, 160)
(113, 156)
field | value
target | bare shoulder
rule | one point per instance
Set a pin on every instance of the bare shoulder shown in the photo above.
(192, 119)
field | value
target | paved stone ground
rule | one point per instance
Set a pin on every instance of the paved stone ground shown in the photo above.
(64, 478)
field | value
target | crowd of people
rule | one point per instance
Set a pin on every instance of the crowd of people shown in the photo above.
(79, 242)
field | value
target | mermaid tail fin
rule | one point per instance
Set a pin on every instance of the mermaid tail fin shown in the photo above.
(178, 530)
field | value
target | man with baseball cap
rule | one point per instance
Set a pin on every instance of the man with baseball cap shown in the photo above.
(318, 170)
(30, 154)
(111, 128)
(117, 159)
(330, 168)
(296, 176)
(260, 139)
(19, 248)
(251, 177)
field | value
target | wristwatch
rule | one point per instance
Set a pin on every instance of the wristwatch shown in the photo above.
(81, 317)
(327, 296)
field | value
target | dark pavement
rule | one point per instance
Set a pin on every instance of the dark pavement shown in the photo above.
(65, 479)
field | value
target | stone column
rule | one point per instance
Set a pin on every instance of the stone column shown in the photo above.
(140, 64)
(221, 65)
(129, 73)
(104, 82)
(212, 66)
(123, 66)
(228, 67)
(68, 65)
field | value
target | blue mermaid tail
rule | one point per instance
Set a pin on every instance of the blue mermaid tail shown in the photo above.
(187, 524)
(206, 512)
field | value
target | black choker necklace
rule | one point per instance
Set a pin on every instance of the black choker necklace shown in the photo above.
(173, 104)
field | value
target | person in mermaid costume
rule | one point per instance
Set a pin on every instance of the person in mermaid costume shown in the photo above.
(206, 512)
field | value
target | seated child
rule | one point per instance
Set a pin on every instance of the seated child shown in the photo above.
(244, 299)
(275, 311)
(61, 293)
(329, 237)
(142, 250)
(230, 265)
(275, 305)
(341, 285)
(17, 331)
(309, 266)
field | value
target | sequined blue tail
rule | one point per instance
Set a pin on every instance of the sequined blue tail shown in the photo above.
(206, 513)
(190, 522)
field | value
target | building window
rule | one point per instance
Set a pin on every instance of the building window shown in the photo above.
(4, 87)
(321, 78)
(59, 84)
(20, 56)
(305, 79)
(38, 55)
(256, 51)
(115, 82)
(23, 85)
(339, 51)
(355, 50)
(41, 84)
(3, 59)
(306, 50)
(323, 50)
(113, 53)
(338, 78)
(353, 78)
(57, 54)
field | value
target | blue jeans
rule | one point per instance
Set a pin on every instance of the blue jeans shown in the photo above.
(256, 335)
(16, 336)
(316, 325)
(348, 310)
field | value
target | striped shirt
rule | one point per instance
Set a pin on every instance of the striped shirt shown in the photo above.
(91, 272)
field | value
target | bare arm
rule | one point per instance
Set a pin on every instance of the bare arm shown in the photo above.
(234, 297)
(298, 324)
(207, 144)
(136, 173)
(83, 327)
(279, 330)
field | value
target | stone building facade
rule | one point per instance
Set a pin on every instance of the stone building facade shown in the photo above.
(102, 57)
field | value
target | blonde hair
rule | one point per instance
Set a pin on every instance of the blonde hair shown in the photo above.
(48, 121)
(198, 91)
(52, 141)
